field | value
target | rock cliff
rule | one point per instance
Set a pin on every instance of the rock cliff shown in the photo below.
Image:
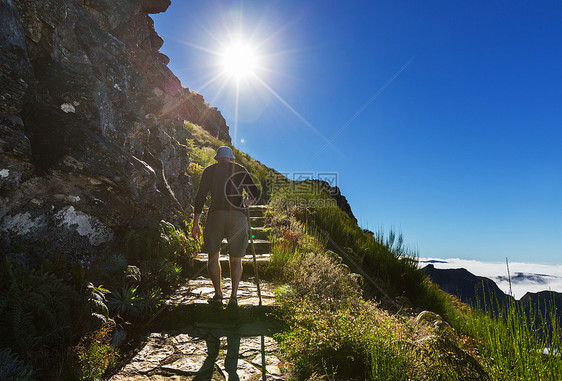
(335, 192)
(92, 139)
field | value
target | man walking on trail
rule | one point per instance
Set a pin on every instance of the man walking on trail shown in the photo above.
(226, 218)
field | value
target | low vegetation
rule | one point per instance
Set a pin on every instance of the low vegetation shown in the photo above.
(358, 307)
(514, 345)
(59, 316)
(48, 311)
(356, 304)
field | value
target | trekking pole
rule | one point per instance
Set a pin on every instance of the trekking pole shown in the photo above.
(256, 276)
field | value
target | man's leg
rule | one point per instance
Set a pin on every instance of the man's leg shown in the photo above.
(214, 269)
(235, 275)
(238, 241)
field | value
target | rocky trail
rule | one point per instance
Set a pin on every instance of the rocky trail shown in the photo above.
(190, 339)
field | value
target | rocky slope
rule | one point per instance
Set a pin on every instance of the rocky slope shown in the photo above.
(92, 139)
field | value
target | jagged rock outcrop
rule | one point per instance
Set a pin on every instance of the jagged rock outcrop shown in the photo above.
(335, 192)
(92, 126)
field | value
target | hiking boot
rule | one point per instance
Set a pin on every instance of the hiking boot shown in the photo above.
(232, 303)
(216, 299)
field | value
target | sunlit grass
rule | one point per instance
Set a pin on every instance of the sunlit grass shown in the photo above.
(379, 259)
(514, 344)
(335, 336)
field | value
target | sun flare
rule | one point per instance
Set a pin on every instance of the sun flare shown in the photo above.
(239, 61)
(242, 67)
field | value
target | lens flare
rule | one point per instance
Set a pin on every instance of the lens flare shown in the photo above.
(239, 61)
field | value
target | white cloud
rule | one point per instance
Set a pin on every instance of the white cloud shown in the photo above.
(525, 277)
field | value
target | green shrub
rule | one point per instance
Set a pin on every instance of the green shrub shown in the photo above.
(114, 266)
(321, 278)
(202, 156)
(12, 368)
(161, 253)
(352, 342)
(96, 305)
(164, 241)
(174, 244)
(150, 301)
(195, 171)
(386, 264)
(96, 360)
(169, 273)
(130, 303)
(132, 275)
(36, 313)
(125, 301)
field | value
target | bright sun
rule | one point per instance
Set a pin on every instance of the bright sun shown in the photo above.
(239, 61)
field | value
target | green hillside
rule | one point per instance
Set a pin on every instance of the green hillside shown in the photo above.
(359, 307)
(355, 305)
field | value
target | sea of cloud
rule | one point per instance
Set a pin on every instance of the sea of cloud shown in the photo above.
(525, 277)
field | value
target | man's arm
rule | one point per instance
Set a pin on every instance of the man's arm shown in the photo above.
(204, 187)
(200, 198)
(196, 230)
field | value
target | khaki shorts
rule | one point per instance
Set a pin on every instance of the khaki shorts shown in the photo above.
(232, 225)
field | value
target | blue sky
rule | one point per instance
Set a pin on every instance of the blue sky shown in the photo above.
(460, 145)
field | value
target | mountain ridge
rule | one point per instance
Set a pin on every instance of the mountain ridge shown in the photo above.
(483, 292)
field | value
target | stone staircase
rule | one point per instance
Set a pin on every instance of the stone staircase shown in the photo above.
(189, 339)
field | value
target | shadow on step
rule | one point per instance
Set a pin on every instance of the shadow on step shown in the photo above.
(242, 319)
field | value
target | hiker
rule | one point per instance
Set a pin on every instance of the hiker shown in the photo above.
(226, 217)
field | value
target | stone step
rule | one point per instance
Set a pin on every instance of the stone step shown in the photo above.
(257, 222)
(261, 246)
(256, 241)
(261, 233)
(203, 353)
(189, 304)
(199, 290)
(188, 338)
(257, 210)
(191, 338)
(265, 257)
(216, 315)
(199, 264)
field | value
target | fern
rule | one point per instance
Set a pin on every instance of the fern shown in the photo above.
(35, 310)
(114, 265)
(132, 275)
(12, 368)
(96, 360)
(169, 273)
(96, 304)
